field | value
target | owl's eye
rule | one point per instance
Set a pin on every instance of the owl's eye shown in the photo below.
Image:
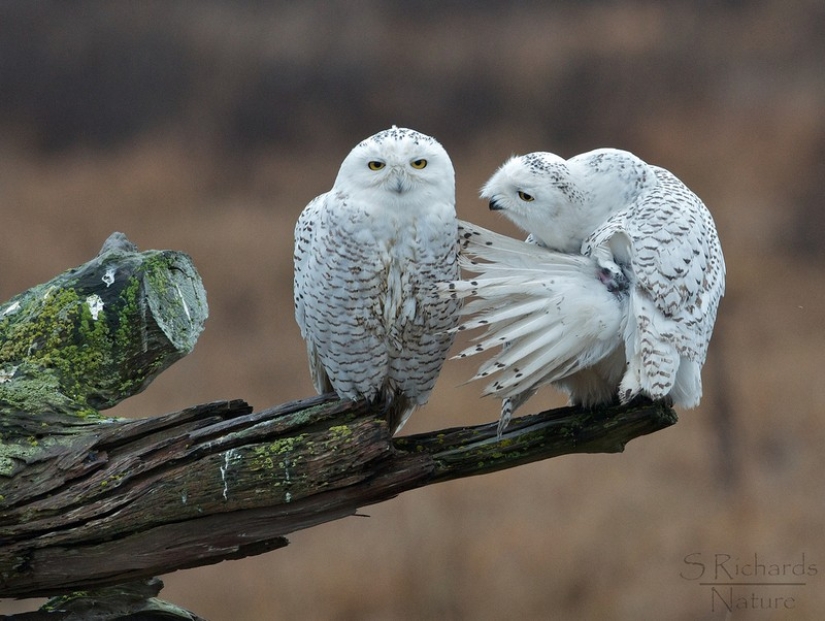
(525, 196)
(376, 165)
(419, 164)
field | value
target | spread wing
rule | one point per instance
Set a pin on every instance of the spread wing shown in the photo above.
(547, 310)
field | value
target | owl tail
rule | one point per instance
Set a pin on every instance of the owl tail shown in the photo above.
(551, 313)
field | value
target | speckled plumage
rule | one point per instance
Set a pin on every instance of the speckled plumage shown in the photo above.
(613, 295)
(368, 256)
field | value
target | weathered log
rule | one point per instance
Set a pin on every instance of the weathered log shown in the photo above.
(90, 503)
(133, 499)
(82, 342)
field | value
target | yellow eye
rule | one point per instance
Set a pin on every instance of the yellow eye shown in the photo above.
(376, 165)
(419, 164)
(525, 196)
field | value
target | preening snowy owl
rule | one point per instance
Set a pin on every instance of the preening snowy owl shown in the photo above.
(368, 256)
(613, 295)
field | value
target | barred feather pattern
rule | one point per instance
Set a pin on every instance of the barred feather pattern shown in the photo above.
(613, 295)
(368, 256)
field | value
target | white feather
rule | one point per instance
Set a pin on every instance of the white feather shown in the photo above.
(368, 255)
(550, 308)
(614, 296)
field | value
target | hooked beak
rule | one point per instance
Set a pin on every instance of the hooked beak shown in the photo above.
(495, 205)
(399, 184)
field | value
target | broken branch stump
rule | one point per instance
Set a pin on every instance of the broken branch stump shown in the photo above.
(96, 335)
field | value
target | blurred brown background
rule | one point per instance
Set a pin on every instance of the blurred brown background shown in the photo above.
(207, 126)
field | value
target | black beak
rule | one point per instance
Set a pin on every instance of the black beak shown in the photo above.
(494, 206)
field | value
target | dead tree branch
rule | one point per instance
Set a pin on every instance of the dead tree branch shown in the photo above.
(133, 499)
(88, 502)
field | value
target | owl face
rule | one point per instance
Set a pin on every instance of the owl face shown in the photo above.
(538, 192)
(398, 162)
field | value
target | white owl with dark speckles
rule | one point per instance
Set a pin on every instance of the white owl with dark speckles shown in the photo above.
(613, 295)
(368, 256)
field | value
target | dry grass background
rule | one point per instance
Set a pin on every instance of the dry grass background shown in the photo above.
(206, 127)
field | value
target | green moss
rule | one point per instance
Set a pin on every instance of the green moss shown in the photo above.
(129, 309)
(268, 456)
(58, 333)
(66, 351)
(7, 465)
(286, 445)
(339, 432)
(25, 450)
(58, 603)
(27, 339)
(156, 273)
(263, 459)
(114, 479)
(36, 390)
(280, 465)
(66, 355)
(88, 413)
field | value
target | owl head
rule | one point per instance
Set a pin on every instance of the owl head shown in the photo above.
(561, 202)
(398, 162)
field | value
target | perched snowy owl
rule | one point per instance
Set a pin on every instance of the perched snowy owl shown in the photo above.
(368, 256)
(614, 293)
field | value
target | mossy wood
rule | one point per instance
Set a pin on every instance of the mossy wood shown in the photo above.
(88, 502)
(95, 335)
(137, 498)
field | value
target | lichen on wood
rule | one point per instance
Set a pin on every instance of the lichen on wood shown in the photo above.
(137, 498)
(96, 334)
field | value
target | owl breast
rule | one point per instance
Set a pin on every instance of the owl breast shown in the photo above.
(415, 255)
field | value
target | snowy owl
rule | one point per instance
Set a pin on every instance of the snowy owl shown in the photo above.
(368, 256)
(613, 295)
